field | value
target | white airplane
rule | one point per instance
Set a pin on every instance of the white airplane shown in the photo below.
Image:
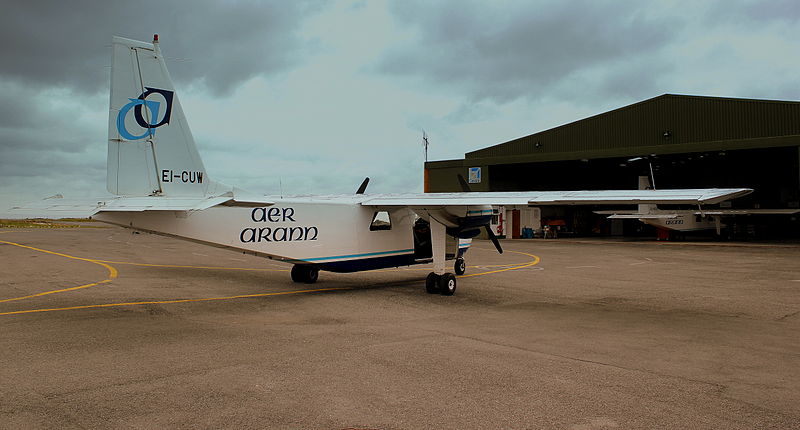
(161, 186)
(685, 220)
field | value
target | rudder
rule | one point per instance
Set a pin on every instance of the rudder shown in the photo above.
(151, 150)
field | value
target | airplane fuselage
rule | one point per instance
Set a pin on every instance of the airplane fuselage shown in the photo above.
(684, 222)
(332, 235)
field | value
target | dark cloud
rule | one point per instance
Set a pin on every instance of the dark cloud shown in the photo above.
(60, 43)
(38, 164)
(466, 61)
(777, 10)
(43, 150)
(517, 51)
(54, 76)
(19, 109)
(38, 120)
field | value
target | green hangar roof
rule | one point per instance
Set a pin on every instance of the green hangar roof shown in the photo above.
(667, 124)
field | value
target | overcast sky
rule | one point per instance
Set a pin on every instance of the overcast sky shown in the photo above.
(311, 97)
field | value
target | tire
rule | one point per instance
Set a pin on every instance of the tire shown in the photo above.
(305, 274)
(297, 273)
(312, 274)
(460, 267)
(447, 284)
(432, 283)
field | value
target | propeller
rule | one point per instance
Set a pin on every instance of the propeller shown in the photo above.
(464, 185)
(465, 188)
(363, 186)
(493, 238)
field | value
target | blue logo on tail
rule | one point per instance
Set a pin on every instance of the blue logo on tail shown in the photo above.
(153, 107)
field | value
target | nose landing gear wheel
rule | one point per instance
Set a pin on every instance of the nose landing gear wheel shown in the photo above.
(447, 284)
(460, 266)
(432, 283)
(303, 273)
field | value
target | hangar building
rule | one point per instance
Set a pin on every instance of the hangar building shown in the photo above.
(690, 142)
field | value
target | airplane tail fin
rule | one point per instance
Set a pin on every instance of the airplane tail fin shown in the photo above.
(644, 184)
(151, 151)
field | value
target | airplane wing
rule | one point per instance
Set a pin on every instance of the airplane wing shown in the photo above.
(642, 216)
(748, 212)
(632, 214)
(536, 198)
(458, 212)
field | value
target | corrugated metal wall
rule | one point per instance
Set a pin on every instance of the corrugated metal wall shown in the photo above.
(687, 119)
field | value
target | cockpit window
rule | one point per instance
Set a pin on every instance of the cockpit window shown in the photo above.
(381, 221)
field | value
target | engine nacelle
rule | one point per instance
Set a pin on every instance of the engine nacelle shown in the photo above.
(463, 222)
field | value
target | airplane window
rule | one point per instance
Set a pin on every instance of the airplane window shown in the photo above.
(381, 221)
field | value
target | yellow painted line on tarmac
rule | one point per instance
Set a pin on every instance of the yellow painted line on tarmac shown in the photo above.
(112, 272)
(55, 291)
(534, 262)
(159, 302)
(488, 266)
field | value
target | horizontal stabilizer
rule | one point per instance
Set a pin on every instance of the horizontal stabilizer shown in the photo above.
(56, 206)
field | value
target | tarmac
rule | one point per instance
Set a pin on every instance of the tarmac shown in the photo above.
(100, 327)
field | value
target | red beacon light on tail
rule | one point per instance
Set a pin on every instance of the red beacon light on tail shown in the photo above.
(155, 38)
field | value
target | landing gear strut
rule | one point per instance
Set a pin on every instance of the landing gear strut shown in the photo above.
(304, 273)
(439, 281)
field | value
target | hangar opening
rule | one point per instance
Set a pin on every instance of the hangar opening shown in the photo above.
(679, 141)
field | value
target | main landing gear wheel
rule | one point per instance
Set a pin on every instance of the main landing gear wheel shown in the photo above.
(447, 284)
(460, 267)
(443, 284)
(304, 273)
(432, 283)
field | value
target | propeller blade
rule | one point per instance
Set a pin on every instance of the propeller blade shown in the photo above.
(464, 185)
(363, 186)
(493, 238)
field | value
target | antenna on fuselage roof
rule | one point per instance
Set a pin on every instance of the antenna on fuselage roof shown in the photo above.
(363, 186)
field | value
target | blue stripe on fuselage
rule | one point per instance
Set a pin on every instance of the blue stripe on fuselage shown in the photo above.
(368, 254)
(346, 266)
